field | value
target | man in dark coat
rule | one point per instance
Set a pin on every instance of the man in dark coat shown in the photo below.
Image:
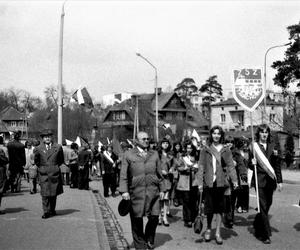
(109, 173)
(17, 160)
(141, 182)
(48, 156)
(84, 159)
(269, 178)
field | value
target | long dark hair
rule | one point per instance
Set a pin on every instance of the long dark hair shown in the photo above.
(261, 128)
(222, 139)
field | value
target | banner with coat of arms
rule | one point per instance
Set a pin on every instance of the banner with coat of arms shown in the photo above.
(248, 88)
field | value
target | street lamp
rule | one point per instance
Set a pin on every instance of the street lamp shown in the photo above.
(156, 96)
(60, 76)
(265, 72)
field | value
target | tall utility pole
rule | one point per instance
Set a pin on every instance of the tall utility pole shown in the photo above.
(156, 95)
(60, 69)
(265, 76)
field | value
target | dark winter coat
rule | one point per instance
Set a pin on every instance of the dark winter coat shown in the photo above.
(263, 179)
(224, 171)
(141, 177)
(48, 162)
(16, 155)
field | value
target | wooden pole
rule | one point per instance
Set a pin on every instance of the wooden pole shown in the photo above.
(255, 167)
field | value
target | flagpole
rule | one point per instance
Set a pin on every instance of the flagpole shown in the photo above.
(60, 69)
(255, 167)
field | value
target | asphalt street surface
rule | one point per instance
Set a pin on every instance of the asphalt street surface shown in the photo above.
(87, 220)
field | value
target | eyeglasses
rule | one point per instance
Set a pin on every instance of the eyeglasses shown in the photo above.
(145, 139)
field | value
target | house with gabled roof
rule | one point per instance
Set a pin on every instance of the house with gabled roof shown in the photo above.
(119, 120)
(231, 116)
(12, 120)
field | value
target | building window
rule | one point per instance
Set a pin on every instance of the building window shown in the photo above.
(21, 124)
(236, 107)
(222, 108)
(272, 117)
(119, 116)
(223, 118)
(13, 124)
(272, 108)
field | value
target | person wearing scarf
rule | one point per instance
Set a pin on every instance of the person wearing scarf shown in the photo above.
(268, 178)
(216, 168)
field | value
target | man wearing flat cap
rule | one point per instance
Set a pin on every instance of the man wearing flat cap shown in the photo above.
(48, 156)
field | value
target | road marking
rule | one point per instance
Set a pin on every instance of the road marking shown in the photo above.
(252, 195)
(296, 205)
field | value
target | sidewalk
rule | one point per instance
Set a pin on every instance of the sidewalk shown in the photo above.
(78, 224)
(291, 176)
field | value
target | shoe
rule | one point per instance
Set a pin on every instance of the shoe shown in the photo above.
(53, 213)
(267, 241)
(239, 210)
(46, 216)
(160, 221)
(188, 224)
(166, 223)
(219, 239)
(228, 225)
(245, 211)
(150, 245)
(207, 235)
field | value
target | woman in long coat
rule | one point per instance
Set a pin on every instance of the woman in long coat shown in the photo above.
(216, 168)
(48, 157)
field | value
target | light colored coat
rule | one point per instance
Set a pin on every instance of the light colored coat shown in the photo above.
(141, 177)
(48, 162)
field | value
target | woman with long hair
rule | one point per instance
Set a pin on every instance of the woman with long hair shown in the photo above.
(165, 158)
(216, 167)
(187, 186)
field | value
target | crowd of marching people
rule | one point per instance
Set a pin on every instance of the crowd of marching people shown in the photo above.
(208, 176)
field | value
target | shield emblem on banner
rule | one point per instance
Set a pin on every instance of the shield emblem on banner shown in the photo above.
(248, 88)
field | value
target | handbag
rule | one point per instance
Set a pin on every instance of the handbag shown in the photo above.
(198, 224)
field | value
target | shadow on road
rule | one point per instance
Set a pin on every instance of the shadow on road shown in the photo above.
(161, 239)
(297, 226)
(11, 210)
(241, 221)
(66, 211)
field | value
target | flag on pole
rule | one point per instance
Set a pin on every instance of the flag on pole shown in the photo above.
(81, 141)
(83, 97)
(68, 142)
(196, 135)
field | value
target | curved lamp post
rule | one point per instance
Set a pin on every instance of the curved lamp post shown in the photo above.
(265, 71)
(156, 97)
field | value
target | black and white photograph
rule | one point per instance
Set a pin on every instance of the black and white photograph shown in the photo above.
(149, 124)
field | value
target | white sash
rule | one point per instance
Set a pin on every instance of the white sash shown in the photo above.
(108, 157)
(263, 161)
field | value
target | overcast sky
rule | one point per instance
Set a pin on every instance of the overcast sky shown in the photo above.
(182, 39)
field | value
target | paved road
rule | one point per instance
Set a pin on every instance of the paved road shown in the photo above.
(285, 222)
(86, 220)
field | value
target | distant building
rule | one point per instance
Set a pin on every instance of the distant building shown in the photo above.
(112, 99)
(231, 116)
(12, 120)
(119, 120)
